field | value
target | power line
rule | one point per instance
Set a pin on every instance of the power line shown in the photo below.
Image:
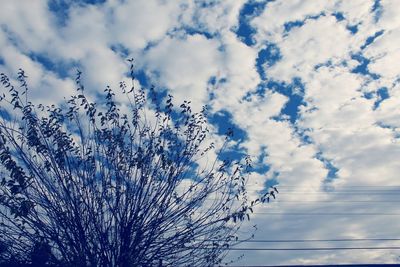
(336, 201)
(327, 213)
(324, 265)
(374, 192)
(342, 192)
(339, 190)
(303, 191)
(343, 186)
(277, 200)
(310, 189)
(315, 248)
(315, 240)
(360, 188)
(281, 190)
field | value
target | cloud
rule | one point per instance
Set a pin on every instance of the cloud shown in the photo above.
(237, 71)
(313, 85)
(270, 25)
(184, 65)
(332, 44)
(211, 16)
(27, 24)
(384, 55)
(136, 24)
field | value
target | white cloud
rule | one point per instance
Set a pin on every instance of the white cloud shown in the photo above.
(85, 31)
(238, 68)
(183, 44)
(389, 18)
(270, 24)
(135, 24)
(389, 110)
(384, 54)
(211, 16)
(185, 66)
(317, 41)
(355, 12)
(28, 22)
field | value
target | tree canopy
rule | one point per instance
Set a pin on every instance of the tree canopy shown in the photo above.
(83, 183)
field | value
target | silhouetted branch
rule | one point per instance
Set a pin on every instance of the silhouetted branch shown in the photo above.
(83, 184)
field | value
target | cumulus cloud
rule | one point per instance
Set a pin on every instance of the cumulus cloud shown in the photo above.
(28, 24)
(238, 71)
(136, 24)
(270, 25)
(185, 66)
(319, 111)
(333, 45)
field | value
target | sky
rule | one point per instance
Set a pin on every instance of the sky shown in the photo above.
(311, 88)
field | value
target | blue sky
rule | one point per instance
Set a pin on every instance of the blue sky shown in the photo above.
(311, 88)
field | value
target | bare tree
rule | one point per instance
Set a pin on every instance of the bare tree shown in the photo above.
(83, 184)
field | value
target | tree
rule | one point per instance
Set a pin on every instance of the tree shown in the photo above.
(83, 184)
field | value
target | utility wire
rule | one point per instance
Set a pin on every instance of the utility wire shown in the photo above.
(344, 186)
(316, 248)
(311, 240)
(336, 192)
(278, 201)
(336, 201)
(343, 189)
(302, 249)
(328, 213)
(326, 190)
(358, 192)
